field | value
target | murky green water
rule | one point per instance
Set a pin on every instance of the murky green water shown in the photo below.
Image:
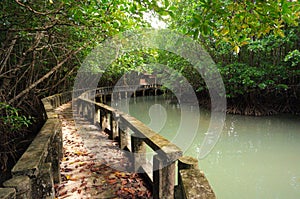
(255, 157)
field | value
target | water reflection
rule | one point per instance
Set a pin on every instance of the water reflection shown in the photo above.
(254, 157)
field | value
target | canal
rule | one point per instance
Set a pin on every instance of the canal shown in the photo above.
(254, 158)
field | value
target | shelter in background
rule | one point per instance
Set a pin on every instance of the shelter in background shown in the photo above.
(147, 79)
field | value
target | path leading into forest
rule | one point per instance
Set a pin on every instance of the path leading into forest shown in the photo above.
(87, 166)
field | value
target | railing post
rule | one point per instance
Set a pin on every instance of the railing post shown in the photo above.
(63, 98)
(96, 115)
(90, 116)
(101, 118)
(163, 178)
(188, 174)
(60, 99)
(57, 100)
(184, 162)
(79, 107)
(107, 120)
(138, 147)
(57, 155)
(84, 108)
(114, 125)
(123, 136)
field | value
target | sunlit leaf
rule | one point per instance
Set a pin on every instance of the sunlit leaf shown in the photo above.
(236, 49)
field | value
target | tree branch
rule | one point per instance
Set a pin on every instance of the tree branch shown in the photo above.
(7, 54)
(37, 12)
(45, 76)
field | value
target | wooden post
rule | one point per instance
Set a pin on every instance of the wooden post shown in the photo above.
(163, 178)
(138, 147)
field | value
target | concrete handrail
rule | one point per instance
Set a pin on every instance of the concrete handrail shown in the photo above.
(162, 171)
(38, 169)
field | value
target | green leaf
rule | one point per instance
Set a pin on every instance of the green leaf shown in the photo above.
(225, 31)
(167, 3)
(262, 85)
(236, 49)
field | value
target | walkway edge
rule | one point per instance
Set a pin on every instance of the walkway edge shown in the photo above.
(38, 168)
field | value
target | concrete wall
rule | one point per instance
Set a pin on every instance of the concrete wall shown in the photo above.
(38, 168)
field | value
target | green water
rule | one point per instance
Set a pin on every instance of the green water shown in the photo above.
(255, 157)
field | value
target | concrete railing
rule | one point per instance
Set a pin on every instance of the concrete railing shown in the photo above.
(192, 182)
(38, 169)
(133, 136)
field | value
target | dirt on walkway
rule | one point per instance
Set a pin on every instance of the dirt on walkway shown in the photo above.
(87, 167)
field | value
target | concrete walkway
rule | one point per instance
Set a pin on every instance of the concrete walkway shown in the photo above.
(87, 167)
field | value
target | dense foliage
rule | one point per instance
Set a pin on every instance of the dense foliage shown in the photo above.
(255, 45)
(42, 45)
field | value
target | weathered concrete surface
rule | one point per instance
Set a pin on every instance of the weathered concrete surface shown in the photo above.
(45, 182)
(158, 143)
(22, 185)
(187, 162)
(40, 163)
(195, 184)
(7, 193)
(163, 178)
(36, 154)
(38, 168)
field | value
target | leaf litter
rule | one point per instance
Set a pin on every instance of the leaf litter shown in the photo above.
(84, 174)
